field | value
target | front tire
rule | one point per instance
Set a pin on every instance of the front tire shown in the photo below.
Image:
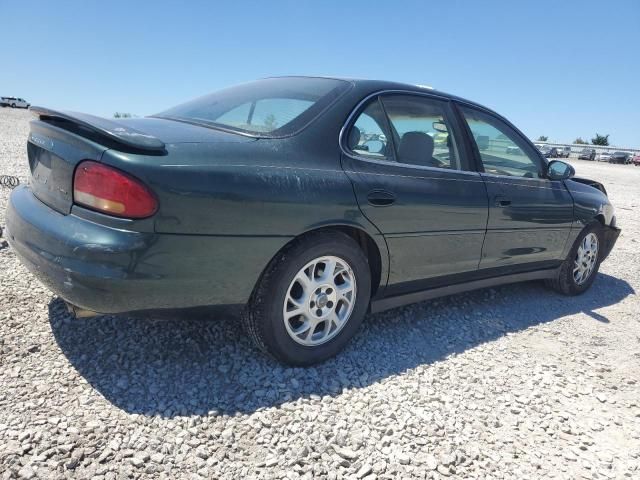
(311, 299)
(579, 270)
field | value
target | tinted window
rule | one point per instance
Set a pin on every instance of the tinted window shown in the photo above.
(502, 150)
(369, 135)
(270, 107)
(422, 131)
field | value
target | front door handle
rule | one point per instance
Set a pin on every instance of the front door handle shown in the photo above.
(501, 201)
(380, 198)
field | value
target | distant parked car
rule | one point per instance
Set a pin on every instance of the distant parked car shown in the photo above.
(587, 154)
(620, 157)
(564, 152)
(636, 159)
(549, 152)
(604, 156)
(14, 102)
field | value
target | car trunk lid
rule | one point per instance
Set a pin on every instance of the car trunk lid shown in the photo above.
(53, 154)
(59, 140)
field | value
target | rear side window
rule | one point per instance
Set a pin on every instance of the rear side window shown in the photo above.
(422, 131)
(271, 108)
(502, 150)
(410, 129)
(369, 135)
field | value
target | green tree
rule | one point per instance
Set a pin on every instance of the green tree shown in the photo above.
(543, 138)
(600, 139)
(580, 141)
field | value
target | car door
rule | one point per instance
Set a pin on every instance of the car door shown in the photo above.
(530, 216)
(412, 179)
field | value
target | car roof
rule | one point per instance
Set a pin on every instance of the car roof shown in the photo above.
(377, 85)
(366, 87)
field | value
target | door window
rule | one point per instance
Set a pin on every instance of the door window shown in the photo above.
(422, 131)
(502, 150)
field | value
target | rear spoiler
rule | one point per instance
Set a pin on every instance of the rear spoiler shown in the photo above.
(112, 134)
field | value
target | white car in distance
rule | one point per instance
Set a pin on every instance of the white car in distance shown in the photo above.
(14, 102)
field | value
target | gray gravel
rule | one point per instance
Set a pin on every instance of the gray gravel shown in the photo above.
(513, 382)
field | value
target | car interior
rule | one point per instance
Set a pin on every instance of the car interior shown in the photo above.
(422, 138)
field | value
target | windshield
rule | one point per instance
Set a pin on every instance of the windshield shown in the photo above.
(272, 107)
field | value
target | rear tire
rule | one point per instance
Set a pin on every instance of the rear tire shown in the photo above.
(579, 270)
(325, 277)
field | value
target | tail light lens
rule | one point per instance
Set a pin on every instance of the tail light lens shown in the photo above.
(108, 190)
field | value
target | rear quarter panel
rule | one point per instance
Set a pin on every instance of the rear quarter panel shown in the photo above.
(248, 199)
(262, 188)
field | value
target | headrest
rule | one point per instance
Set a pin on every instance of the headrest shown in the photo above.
(415, 148)
(354, 138)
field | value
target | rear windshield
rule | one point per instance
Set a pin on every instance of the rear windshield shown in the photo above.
(271, 108)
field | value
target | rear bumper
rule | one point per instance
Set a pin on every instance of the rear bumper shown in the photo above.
(108, 270)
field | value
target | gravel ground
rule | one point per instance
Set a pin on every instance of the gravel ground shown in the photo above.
(512, 382)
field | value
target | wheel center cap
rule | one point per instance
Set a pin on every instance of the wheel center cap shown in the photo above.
(322, 300)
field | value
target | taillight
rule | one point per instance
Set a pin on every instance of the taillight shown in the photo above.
(111, 191)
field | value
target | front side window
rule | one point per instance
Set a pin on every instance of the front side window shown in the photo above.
(422, 131)
(502, 150)
(267, 108)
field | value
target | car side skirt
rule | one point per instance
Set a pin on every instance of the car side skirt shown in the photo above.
(382, 304)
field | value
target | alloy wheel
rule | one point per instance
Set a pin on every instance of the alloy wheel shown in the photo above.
(586, 259)
(319, 301)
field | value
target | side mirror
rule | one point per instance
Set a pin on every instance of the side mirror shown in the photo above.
(557, 170)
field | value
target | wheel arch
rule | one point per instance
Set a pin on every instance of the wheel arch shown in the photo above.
(578, 228)
(372, 244)
(370, 248)
(375, 250)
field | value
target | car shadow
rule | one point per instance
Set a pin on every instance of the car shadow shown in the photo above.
(187, 366)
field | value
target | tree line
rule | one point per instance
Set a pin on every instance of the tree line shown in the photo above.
(597, 140)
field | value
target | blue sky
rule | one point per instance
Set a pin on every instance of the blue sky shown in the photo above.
(562, 69)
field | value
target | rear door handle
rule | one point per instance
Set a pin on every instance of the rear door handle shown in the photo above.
(502, 201)
(380, 198)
